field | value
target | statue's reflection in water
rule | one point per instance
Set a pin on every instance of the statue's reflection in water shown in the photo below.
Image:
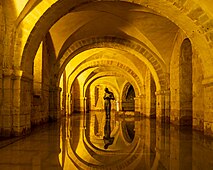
(130, 142)
(108, 140)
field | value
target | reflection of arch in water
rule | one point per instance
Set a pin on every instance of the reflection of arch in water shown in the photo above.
(85, 155)
(128, 131)
(78, 161)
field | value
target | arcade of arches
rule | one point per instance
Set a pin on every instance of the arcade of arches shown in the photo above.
(57, 56)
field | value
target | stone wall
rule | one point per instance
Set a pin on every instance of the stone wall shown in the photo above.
(208, 107)
(181, 82)
(198, 93)
(150, 95)
(40, 104)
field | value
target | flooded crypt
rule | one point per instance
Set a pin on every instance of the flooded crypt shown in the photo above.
(107, 84)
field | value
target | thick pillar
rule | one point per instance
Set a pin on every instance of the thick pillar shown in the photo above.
(54, 103)
(150, 89)
(6, 112)
(208, 106)
(79, 104)
(139, 103)
(198, 93)
(69, 104)
(16, 103)
(22, 103)
(143, 103)
(162, 105)
(120, 105)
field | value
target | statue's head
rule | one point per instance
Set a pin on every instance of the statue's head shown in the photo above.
(106, 89)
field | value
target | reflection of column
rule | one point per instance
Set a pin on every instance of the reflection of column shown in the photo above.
(148, 140)
(180, 149)
(163, 105)
(93, 129)
(163, 143)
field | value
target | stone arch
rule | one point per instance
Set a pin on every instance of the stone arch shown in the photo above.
(136, 146)
(112, 88)
(193, 29)
(112, 74)
(157, 66)
(126, 105)
(181, 82)
(111, 63)
(185, 82)
(125, 90)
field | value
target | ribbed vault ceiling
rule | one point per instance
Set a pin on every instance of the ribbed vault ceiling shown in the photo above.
(118, 19)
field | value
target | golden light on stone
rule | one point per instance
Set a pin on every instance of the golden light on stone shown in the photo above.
(19, 5)
(58, 56)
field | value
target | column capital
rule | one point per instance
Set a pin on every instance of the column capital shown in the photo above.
(140, 96)
(14, 74)
(7, 72)
(18, 73)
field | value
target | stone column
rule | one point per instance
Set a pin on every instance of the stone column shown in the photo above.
(22, 103)
(68, 111)
(85, 105)
(16, 103)
(150, 95)
(117, 105)
(54, 103)
(120, 105)
(81, 104)
(162, 105)
(6, 115)
(208, 106)
(167, 105)
(92, 99)
(143, 103)
(139, 103)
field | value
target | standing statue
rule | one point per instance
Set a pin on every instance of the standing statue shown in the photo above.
(108, 96)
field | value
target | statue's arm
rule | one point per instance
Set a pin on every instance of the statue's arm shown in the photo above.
(112, 96)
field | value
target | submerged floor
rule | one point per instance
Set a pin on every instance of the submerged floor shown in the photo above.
(121, 142)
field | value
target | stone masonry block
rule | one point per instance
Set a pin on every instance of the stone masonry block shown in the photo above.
(194, 14)
(208, 128)
(202, 19)
(7, 121)
(208, 25)
(209, 36)
(179, 3)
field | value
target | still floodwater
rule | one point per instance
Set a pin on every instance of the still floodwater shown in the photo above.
(122, 142)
